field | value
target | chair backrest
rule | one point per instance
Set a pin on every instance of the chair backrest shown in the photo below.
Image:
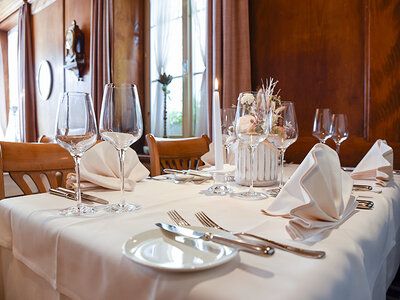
(180, 154)
(46, 139)
(34, 160)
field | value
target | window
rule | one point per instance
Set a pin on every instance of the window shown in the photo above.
(178, 48)
(13, 132)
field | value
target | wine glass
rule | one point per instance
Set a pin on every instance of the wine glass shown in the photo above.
(76, 131)
(121, 125)
(322, 124)
(227, 124)
(283, 130)
(339, 130)
(251, 127)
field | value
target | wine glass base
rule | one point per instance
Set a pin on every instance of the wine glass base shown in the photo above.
(273, 192)
(82, 210)
(219, 189)
(251, 195)
(119, 209)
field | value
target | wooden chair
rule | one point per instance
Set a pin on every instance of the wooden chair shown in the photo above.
(34, 160)
(177, 154)
(45, 139)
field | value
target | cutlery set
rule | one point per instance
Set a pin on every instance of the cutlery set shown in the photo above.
(238, 240)
(364, 204)
(208, 236)
(188, 172)
(265, 247)
(183, 176)
(69, 194)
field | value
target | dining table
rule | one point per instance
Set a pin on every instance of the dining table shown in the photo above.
(44, 255)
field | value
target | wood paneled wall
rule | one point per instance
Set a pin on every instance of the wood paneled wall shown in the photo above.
(128, 49)
(49, 27)
(48, 40)
(338, 54)
(80, 11)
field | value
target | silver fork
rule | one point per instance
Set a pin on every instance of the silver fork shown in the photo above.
(206, 221)
(177, 218)
(253, 248)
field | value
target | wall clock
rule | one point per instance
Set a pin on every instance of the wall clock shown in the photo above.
(75, 50)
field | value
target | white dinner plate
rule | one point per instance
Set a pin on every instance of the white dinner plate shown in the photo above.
(162, 250)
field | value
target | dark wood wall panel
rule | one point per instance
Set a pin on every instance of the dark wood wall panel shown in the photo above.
(79, 11)
(338, 54)
(49, 28)
(48, 43)
(385, 70)
(128, 48)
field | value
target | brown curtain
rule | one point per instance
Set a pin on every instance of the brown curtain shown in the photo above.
(100, 50)
(26, 86)
(228, 49)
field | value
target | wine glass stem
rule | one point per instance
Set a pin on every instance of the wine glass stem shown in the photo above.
(282, 155)
(121, 153)
(252, 151)
(227, 154)
(78, 196)
(337, 148)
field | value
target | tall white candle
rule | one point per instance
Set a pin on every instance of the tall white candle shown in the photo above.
(217, 130)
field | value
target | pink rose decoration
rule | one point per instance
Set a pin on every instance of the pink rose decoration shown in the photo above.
(247, 123)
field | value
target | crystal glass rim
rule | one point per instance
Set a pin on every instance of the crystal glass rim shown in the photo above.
(120, 85)
(75, 94)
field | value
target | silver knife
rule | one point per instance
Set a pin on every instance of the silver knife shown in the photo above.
(208, 236)
(65, 195)
(362, 187)
(187, 172)
(84, 196)
(364, 204)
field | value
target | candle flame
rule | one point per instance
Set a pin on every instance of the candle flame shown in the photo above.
(216, 84)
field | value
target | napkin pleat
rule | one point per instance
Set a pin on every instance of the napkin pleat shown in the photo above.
(100, 167)
(376, 165)
(317, 197)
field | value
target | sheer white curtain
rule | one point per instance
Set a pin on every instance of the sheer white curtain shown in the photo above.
(202, 124)
(3, 103)
(160, 19)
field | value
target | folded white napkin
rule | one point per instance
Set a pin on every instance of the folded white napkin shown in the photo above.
(376, 165)
(100, 167)
(317, 197)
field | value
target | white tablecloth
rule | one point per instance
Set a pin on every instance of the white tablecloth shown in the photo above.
(53, 257)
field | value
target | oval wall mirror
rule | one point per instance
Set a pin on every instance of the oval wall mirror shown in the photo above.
(44, 80)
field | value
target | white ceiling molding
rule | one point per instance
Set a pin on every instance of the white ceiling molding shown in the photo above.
(8, 7)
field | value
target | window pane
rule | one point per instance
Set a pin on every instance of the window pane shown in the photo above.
(167, 50)
(199, 54)
(175, 108)
(166, 40)
(175, 51)
(172, 62)
(12, 132)
(199, 36)
(197, 79)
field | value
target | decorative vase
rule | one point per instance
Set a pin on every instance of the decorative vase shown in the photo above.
(265, 167)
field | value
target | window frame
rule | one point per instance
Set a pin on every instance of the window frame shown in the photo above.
(188, 99)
